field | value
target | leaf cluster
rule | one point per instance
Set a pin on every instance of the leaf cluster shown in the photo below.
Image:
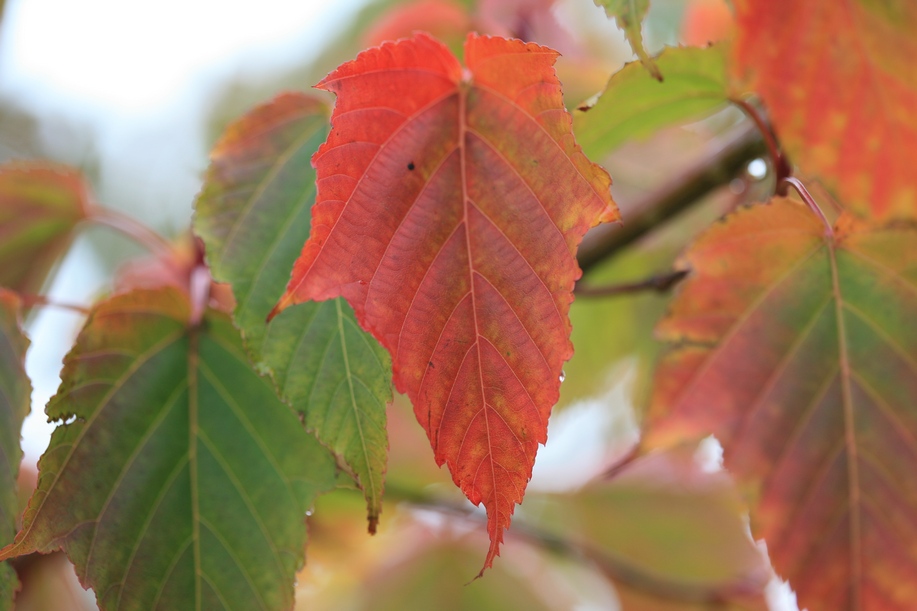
(428, 234)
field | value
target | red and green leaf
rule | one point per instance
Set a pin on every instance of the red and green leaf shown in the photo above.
(253, 215)
(176, 478)
(450, 205)
(840, 82)
(629, 15)
(40, 205)
(15, 398)
(798, 350)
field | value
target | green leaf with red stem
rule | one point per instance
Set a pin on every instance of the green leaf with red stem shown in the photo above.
(176, 478)
(15, 399)
(629, 15)
(796, 348)
(450, 205)
(253, 215)
(40, 205)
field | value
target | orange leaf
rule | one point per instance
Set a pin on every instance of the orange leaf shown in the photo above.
(450, 206)
(799, 352)
(840, 81)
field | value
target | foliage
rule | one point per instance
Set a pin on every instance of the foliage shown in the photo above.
(436, 217)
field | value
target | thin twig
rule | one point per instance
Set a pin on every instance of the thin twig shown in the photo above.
(727, 157)
(660, 284)
(29, 300)
(780, 162)
(130, 227)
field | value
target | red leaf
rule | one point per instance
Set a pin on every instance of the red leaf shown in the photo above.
(450, 205)
(840, 81)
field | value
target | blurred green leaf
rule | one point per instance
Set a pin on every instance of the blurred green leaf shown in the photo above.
(254, 215)
(662, 525)
(15, 398)
(433, 575)
(177, 479)
(634, 105)
(608, 331)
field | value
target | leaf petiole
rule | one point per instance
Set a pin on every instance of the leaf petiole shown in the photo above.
(782, 166)
(130, 227)
(800, 188)
(30, 299)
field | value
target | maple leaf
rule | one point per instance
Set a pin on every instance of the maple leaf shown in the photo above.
(799, 352)
(178, 479)
(40, 205)
(15, 397)
(629, 14)
(840, 82)
(450, 205)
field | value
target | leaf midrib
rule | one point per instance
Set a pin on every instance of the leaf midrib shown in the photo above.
(850, 441)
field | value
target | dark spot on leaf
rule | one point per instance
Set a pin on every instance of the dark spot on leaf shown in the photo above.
(411, 166)
(431, 364)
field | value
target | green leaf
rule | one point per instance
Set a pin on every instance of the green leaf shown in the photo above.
(430, 578)
(254, 215)
(629, 15)
(40, 204)
(665, 526)
(611, 331)
(634, 105)
(15, 394)
(177, 479)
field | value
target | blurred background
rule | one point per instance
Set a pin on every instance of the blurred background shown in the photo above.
(134, 94)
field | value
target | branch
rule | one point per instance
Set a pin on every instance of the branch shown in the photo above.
(660, 284)
(615, 568)
(724, 160)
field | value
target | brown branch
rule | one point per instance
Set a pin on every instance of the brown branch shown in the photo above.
(616, 568)
(660, 284)
(724, 160)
